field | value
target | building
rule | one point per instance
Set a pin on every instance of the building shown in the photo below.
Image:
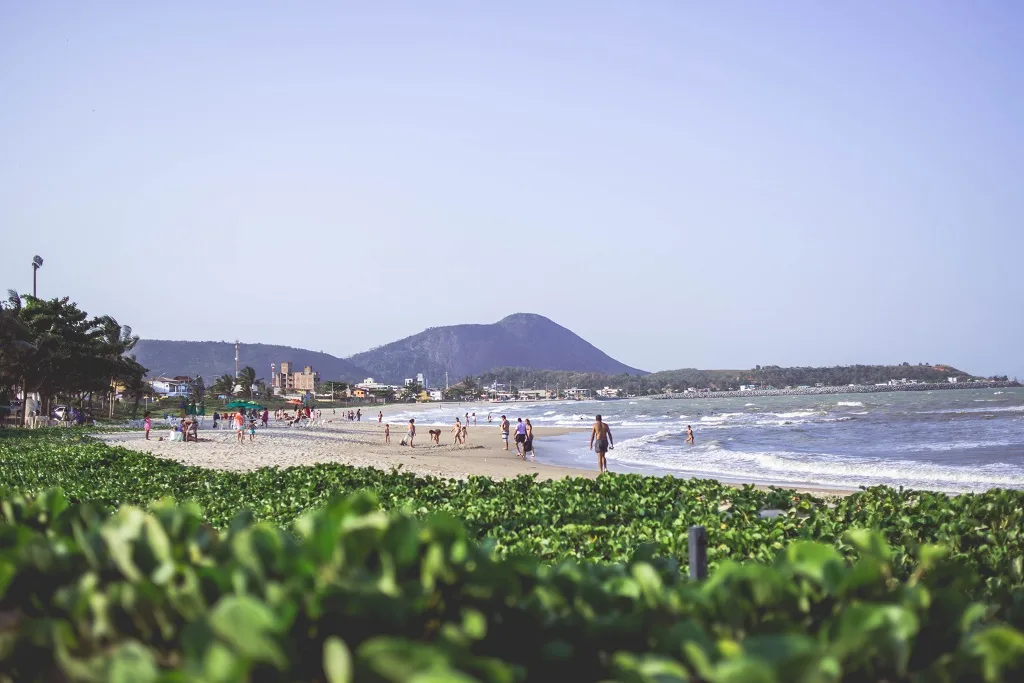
(370, 384)
(172, 387)
(578, 393)
(287, 381)
(421, 380)
(608, 392)
(535, 394)
(952, 380)
(436, 395)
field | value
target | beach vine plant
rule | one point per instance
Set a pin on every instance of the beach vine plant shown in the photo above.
(336, 573)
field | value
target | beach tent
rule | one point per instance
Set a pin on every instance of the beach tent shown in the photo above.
(248, 405)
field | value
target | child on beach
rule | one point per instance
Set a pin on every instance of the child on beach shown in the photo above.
(387, 435)
(252, 430)
(147, 422)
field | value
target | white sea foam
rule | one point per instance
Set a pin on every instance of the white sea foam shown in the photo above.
(793, 467)
(851, 404)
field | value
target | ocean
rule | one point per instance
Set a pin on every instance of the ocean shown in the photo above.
(954, 440)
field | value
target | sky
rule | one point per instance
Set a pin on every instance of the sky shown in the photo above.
(684, 184)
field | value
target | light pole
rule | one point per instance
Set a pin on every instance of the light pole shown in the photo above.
(37, 263)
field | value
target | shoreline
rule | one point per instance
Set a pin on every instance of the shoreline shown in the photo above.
(360, 444)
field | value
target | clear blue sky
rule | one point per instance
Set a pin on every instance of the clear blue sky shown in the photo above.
(706, 184)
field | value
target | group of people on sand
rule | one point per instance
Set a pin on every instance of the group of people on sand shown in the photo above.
(524, 437)
(188, 428)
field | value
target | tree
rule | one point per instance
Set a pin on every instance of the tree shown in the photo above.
(224, 386)
(247, 378)
(411, 391)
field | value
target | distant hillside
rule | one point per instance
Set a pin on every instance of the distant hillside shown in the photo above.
(523, 340)
(212, 359)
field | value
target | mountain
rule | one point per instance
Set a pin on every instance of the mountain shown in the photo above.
(523, 340)
(212, 359)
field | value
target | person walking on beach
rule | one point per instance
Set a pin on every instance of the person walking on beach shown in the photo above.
(216, 417)
(380, 416)
(528, 444)
(412, 431)
(359, 415)
(689, 435)
(504, 431)
(520, 437)
(387, 435)
(239, 420)
(457, 431)
(266, 417)
(147, 422)
(252, 430)
(600, 441)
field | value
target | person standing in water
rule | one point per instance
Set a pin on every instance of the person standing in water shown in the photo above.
(689, 434)
(520, 438)
(528, 444)
(600, 441)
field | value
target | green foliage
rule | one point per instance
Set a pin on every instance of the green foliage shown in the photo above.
(351, 593)
(579, 579)
(55, 348)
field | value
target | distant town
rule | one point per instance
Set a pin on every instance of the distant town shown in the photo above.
(289, 382)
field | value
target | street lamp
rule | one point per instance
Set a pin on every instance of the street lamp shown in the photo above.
(37, 263)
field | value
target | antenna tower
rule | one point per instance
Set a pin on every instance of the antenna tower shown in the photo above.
(236, 359)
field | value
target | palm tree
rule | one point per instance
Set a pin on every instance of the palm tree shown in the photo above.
(247, 378)
(224, 386)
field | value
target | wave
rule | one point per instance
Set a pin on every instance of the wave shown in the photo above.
(959, 411)
(797, 468)
(851, 404)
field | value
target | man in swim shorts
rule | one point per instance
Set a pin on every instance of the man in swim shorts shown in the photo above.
(504, 431)
(600, 441)
(520, 438)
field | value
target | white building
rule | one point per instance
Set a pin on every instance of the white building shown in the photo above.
(370, 384)
(172, 387)
(436, 395)
(952, 380)
(421, 380)
(608, 392)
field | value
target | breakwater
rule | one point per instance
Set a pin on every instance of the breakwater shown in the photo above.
(848, 389)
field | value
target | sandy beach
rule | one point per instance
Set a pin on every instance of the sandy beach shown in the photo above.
(360, 444)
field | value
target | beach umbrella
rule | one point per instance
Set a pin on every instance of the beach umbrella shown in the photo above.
(244, 404)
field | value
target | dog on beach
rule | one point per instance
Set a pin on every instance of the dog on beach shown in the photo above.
(435, 436)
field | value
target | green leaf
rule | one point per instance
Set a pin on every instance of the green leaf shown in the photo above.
(246, 624)
(337, 661)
